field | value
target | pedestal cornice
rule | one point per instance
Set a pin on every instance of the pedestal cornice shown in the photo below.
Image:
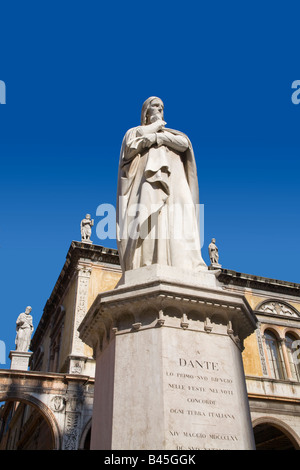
(161, 297)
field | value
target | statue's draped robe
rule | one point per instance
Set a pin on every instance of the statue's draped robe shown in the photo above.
(86, 230)
(158, 202)
(24, 330)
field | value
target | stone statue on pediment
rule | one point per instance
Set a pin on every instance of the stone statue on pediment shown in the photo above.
(86, 228)
(214, 253)
(24, 327)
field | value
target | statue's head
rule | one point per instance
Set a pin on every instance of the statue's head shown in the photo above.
(28, 309)
(213, 240)
(152, 108)
(88, 216)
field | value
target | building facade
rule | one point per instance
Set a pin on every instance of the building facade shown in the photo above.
(50, 406)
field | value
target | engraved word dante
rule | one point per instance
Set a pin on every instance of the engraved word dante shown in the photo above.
(207, 365)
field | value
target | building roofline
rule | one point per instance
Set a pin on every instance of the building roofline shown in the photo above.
(77, 251)
(230, 277)
(98, 253)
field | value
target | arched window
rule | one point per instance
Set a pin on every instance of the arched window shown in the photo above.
(294, 363)
(274, 355)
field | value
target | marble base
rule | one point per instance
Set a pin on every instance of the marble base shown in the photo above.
(155, 272)
(215, 266)
(169, 371)
(19, 359)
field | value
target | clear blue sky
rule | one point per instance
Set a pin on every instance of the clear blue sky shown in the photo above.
(77, 74)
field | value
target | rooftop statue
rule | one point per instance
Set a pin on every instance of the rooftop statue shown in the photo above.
(86, 228)
(213, 253)
(24, 328)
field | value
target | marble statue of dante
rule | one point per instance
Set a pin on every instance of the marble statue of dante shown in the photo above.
(24, 328)
(86, 227)
(158, 197)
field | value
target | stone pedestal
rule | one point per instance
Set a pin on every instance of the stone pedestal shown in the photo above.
(215, 266)
(20, 359)
(169, 372)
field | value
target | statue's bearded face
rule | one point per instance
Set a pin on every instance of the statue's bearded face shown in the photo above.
(155, 110)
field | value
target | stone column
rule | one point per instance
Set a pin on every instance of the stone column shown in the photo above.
(169, 371)
(261, 350)
(77, 356)
(72, 428)
(286, 362)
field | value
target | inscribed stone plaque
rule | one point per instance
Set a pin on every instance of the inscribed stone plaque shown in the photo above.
(204, 406)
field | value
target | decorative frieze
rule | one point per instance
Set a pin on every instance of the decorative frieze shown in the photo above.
(278, 309)
(71, 432)
(261, 351)
(57, 403)
(84, 273)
